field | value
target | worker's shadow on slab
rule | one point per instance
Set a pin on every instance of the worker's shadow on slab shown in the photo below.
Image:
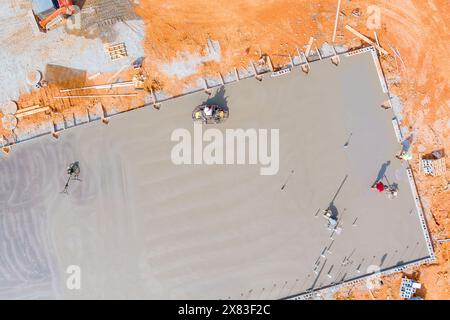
(331, 206)
(383, 259)
(382, 171)
(382, 176)
(219, 98)
(400, 263)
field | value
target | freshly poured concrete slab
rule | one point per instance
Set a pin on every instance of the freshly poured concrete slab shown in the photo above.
(139, 226)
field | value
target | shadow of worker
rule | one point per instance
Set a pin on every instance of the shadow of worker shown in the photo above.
(382, 171)
(219, 99)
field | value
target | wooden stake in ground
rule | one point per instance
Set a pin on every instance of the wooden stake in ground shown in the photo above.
(257, 76)
(270, 63)
(336, 20)
(55, 134)
(5, 148)
(364, 38)
(221, 79)
(156, 105)
(205, 87)
(308, 47)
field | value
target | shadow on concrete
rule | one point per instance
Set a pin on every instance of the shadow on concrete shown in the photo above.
(219, 98)
(383, 259)
(400, 263)
(382, 171)
(317, 277)
(331, 206)
(392, 186)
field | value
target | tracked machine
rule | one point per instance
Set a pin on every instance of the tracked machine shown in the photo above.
(47, 14)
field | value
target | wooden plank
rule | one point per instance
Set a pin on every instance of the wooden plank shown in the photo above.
(97, 96)
(308, 47)
(101, 86)
(27, 109)
(364, 38)
(336, 20)
(270, 63)
(30, 112)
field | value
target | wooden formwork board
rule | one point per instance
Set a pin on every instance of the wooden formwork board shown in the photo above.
(31, 112)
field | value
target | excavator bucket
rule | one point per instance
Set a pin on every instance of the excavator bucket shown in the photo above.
(49, 13)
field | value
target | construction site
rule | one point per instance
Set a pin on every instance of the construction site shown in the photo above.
(93, 92)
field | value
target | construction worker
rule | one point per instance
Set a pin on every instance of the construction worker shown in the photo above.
(404, 155)
(392, 193)
(332, 221)
(208, 110)
(406, 152)
(207, 113)
(380, 186)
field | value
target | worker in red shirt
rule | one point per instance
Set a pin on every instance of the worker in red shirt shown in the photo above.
(380, 186)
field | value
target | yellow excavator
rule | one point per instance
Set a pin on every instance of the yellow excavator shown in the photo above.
(48, 13)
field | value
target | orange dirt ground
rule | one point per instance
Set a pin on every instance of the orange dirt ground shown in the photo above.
(246, 29)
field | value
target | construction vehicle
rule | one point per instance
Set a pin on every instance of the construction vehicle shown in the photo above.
(210, 114)
(48, 13)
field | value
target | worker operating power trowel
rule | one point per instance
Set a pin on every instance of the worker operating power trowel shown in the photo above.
(209, 114)
(73, 171)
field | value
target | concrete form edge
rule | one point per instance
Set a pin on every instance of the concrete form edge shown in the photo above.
(423, 223)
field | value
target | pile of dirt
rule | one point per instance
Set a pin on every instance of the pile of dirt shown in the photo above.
(244, 29)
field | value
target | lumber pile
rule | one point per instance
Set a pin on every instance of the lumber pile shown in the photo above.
(365, 39)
